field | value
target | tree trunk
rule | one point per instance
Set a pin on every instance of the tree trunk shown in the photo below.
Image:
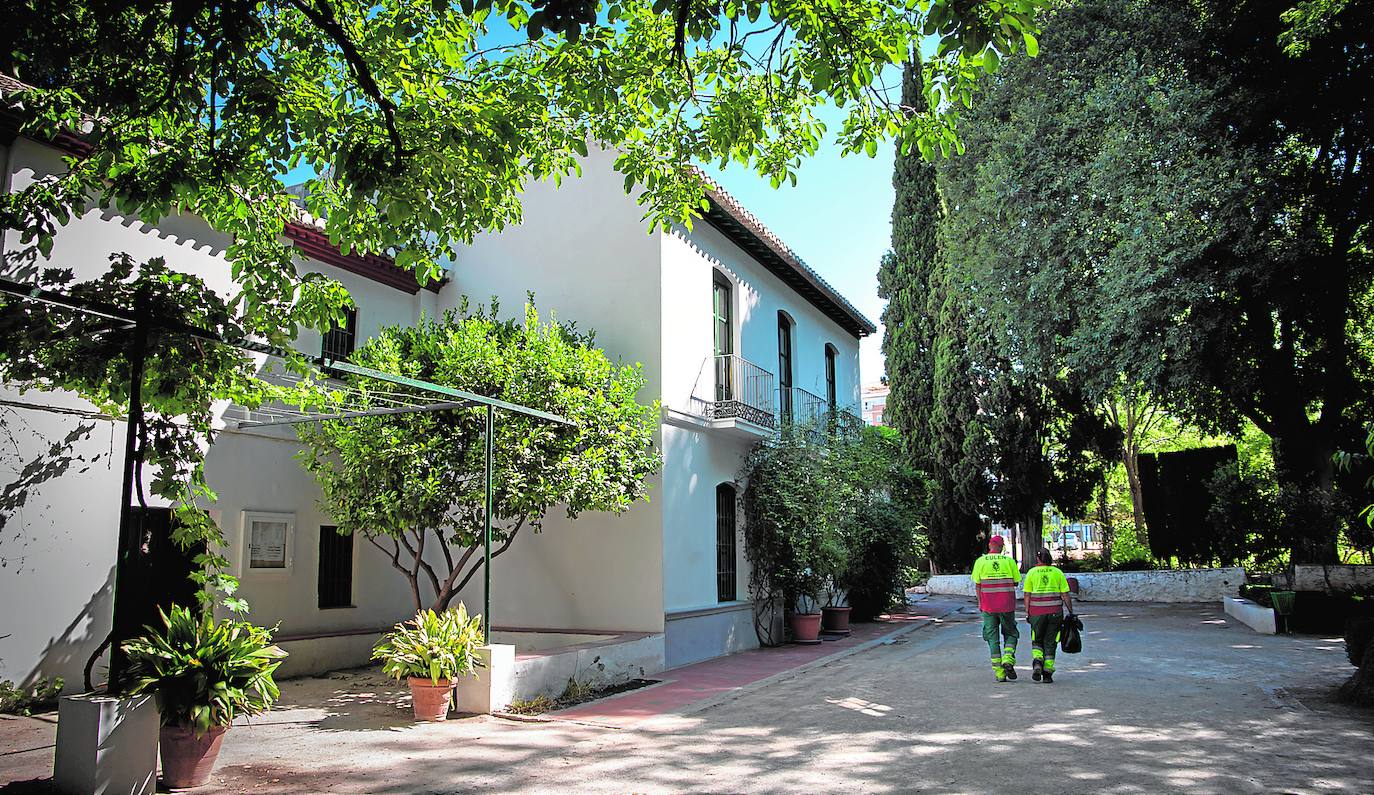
(1104, 516)
(1130, 458)
(1032, 539)
(1359, 688)
(1304, 465)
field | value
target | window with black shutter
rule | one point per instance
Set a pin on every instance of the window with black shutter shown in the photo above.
(725, 543)
(336, 568)
(339, 341)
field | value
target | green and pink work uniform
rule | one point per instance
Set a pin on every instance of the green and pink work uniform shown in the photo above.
(1045, 586)
(995, 577)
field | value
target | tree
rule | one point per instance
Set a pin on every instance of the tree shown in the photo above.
(425, 119)
(1189, 218)
(413, 485)
(957, 453)
(904, 279)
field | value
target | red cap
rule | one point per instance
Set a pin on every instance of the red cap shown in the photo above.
(996, 542)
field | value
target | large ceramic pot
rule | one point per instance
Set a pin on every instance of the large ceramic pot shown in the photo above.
(188, 760)
(429, 700)
(806, 627)
(835, 619)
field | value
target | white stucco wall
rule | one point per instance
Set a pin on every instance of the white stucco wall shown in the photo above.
(698, 459)
(582, 249)
(59, 550)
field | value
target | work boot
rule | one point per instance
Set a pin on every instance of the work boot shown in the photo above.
(1049, 677)
(1037, 670)
(1009, 669)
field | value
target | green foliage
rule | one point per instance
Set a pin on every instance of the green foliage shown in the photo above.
(881, 521)
(425, 119)
(792, 501)
(904, 278)
(1165, 189)
(440, 646)
(837, 511)
(204, 672)
(49, 348)
(402, 481)
(1128, 548)
(40, 696)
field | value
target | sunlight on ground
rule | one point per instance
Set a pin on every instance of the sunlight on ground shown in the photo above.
(861, 706)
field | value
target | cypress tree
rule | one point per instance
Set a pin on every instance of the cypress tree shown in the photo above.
(932, 402)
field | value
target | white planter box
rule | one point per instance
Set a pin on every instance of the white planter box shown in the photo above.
(106, 745)
(493, 687)
(1255, 616)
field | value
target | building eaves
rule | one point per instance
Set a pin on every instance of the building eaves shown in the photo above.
(749, 233)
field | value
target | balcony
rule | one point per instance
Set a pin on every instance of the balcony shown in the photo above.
(735, 395)
(809, 414)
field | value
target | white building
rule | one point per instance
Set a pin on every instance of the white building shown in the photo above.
(731, 327)
(875, 403)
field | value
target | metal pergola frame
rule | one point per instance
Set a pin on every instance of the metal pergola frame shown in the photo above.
(134, 320)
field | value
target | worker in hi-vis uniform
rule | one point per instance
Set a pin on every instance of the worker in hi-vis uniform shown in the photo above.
(995, 577)
(1047, 600)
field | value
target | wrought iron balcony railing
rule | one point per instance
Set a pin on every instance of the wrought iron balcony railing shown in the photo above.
(743, 391)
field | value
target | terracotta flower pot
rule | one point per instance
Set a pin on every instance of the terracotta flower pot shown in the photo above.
(430, 701)
(188, 760)
(835, 619)
(806, 627)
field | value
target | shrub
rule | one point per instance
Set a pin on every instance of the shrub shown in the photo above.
(440, 646)
(1134, 564)
(879, 542)
(1088, 563)
(205, 672)
(40, 696)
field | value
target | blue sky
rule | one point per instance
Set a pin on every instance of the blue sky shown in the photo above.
(838, 219)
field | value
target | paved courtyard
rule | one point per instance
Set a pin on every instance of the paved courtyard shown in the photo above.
(1163, 699)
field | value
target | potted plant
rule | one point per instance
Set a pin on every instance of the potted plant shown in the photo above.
(835, 613)
(431, 651)
(805, 619)
(203, 673)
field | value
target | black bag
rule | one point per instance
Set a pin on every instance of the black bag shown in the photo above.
(1071, 634)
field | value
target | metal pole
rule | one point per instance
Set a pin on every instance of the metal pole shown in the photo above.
(486, 566)
(132, 460)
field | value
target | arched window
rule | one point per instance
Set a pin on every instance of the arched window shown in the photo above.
(722, 306)
(831, 353)
(785, 366)
(725, 542)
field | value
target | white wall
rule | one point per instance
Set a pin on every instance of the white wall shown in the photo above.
(58, 552)
(587, 256)
(697, 459)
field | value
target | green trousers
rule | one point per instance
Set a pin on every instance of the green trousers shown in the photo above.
(1045, 637)
(999, 630)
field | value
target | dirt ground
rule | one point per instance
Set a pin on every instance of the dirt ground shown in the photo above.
(1162, 699)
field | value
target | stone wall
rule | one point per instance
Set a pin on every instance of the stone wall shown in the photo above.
(1182, 585)
(1334, 579)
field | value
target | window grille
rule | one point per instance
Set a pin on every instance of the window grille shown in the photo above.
(339, 341)
(725, 543)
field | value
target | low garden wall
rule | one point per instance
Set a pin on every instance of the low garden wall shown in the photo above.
(1178, 585)
(1327, 579)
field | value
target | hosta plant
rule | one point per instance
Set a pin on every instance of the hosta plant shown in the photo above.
(435, 646)
(204, 672)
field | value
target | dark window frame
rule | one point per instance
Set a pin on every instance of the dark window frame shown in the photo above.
(785, 364)
(339, 342)
(727, 569)
(831, 376)
(722, 332)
